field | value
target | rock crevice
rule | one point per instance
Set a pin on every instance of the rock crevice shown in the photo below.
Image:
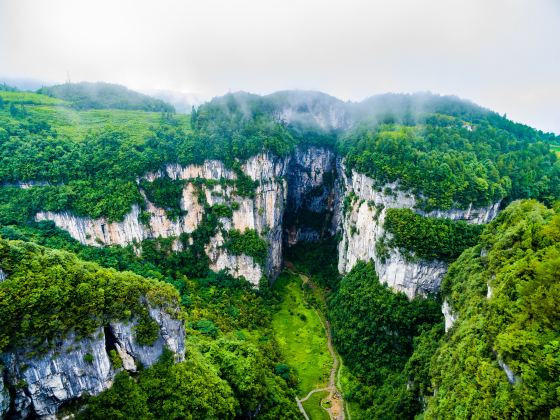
(75, 366)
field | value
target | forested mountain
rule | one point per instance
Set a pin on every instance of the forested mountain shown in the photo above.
(500, 357)
(113, 206)
(99, 95)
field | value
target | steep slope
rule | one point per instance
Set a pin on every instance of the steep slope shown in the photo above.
(69, 326)
(500, 356)
(251, 171)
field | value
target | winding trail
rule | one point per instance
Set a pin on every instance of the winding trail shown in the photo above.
(336, 409)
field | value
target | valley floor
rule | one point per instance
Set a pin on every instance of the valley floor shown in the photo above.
(303, 334)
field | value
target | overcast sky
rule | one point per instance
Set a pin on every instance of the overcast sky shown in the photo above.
(502, 54)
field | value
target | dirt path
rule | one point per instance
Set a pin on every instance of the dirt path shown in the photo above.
(336, 409)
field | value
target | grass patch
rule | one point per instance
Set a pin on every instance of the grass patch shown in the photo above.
(555, 148)
(301, 336)
(313, 406)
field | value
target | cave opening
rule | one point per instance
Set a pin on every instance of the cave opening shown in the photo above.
(309, 215)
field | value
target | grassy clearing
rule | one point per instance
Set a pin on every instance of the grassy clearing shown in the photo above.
(301, 335)
(75, 124)
(313, 406)
(555, 148)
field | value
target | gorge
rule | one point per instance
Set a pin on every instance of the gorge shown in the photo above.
(143, 251)
(306, 196)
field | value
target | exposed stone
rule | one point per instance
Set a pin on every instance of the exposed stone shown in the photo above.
(362, 230)
(72, 368)
(4, 395)
(412, 277)
(448, 315)
(263, 212)
(3, 275)
(285, 186)
(311, 176)
(78, 366)
(512, 379)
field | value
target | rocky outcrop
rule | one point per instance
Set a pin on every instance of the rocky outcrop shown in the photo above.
(2, 275)
(4, 395)
(262, 212)
(309, 209)
(76, 366)
(412, 277)
(302, 197)
(171, 333)
(449, 316)
(363, 235)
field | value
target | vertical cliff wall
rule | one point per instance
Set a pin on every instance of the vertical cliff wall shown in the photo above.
(75, 366)
(262, 211)
(302, 197)
(309, 211)
(363, 213)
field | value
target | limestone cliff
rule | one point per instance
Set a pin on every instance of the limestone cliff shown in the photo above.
(301, 197)
(362, 233)
(309, 208)
(262, 212)
(76, 366)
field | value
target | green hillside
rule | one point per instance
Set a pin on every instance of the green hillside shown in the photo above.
(99, 95)
(517, 323)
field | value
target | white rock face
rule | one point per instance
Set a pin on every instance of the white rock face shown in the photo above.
(362, 230)
(361, 226)
(263, 212)
(413, 278)
(507, 370)
(4, 396)
(170, 336)
(60, 375)
(3, 275)
(75, 366)
(448, 315)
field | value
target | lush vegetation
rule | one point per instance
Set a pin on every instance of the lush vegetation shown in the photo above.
(48, 293)
(517, 324)
(249, 243)
(241, 125)
(85, 95)
(88, 160)
(241, 359)
(453, 162)
(318, 260)
(301, 335)
(166, 193)
(427, 237)
(374, 330)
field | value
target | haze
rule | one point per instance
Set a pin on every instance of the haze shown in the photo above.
(502, 54)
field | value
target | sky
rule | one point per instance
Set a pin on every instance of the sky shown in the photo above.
(501, 54)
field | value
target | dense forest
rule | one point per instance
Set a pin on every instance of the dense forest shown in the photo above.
(85, 95)
(48, 293)
(375, 330)
(86, 149)
(88, 161)
(505, 294)
(500, 358)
